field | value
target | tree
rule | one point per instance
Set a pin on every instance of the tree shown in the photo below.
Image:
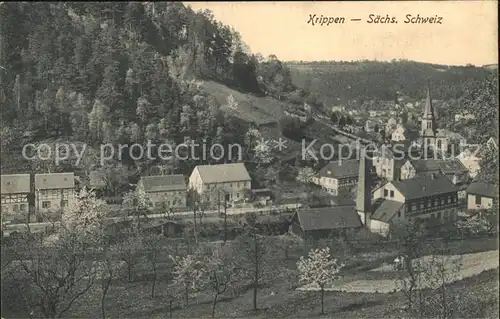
(188, 273)
(252, 260)
(52, 274)
(152, 244)
(220, 272)
(128, 251)
(86, 214)
(319, 269)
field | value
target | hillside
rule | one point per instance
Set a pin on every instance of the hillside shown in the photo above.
(341, 81)
(126, 73)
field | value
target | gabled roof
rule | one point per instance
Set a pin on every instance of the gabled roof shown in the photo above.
(384, 209)
(223, 173)
(163, 183)
(55, 181)
(424, 186)
(336, 217)
(15, 183)
(340, 169)
(483, 189)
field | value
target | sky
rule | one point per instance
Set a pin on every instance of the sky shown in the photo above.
(468, 32)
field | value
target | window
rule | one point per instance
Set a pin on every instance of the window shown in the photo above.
(22, 207)
(433, 216)
(46, 204)
(237, 195)
(54, 192)
(64, 203)
(15, 208)
(158, 204)
(449, 200)
(5, 209)
(442, 201)
(439, 215)
(399, 214)
(453, 199)
(231, 185)
(439, 144)
(478, 200)
(386, 192)
(414, 207)
(429, 125)
(421, 205)
(392, 194)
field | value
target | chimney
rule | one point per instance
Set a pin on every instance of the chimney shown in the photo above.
(364, 194)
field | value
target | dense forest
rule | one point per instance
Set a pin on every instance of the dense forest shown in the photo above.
(366, 80)
(122, 72)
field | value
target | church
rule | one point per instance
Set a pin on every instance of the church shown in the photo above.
(431, 138)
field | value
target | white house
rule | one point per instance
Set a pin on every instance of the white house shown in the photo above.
(55, 191)
(399, 134)
(219, 181)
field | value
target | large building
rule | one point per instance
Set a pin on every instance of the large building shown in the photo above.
(431, 137)
(223, 180)
(15, 190)
(429, 199)
(165, 190)
(54, 191)
(338, 176)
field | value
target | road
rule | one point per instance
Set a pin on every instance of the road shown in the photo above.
(40, 227)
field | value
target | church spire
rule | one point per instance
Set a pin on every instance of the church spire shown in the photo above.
(428, 107)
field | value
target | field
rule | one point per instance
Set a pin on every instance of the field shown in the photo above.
(280, 298)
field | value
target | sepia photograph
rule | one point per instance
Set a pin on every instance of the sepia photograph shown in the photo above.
(307, 159)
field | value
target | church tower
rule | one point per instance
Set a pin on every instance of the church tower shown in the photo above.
(428, 127)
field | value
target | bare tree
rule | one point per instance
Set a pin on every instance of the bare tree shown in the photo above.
(409, 237)
(152, 245)
(252, 260)
(220, 273)
(128, 251)
(53, 274)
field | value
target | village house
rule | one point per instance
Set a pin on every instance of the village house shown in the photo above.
(481, 196)
(429, 199)
(338, 108)
(470, 160)
(316, 223)
(337, 176)
(165, 190)
(464, 116)
(54, 191)
(15, 190)
(221, 182)
(387, 164)
(399, 134)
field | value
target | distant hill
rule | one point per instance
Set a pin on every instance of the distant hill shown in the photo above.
(491, 66)
(338, 81)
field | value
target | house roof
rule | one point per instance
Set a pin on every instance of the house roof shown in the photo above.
(483, 189)
(452, 166)
(424, 186)
(163, 183)
(340, 169)
(223, 173)
(15, 183)
(422, 166)
(55, 181)
(336, 217)
(385, 209)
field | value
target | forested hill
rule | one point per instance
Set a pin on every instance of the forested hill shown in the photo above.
(383, 80)
(122, 72)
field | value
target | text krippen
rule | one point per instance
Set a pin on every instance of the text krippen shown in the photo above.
(322, 20)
